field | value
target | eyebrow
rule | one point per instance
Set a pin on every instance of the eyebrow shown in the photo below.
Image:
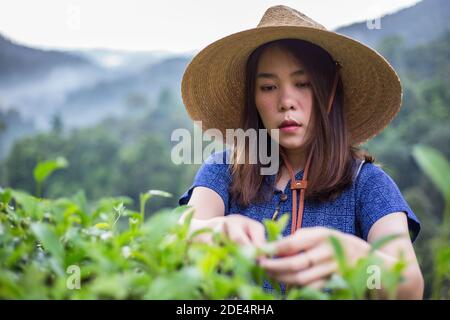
(270, 75)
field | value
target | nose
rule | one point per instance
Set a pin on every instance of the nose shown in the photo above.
(287, 100)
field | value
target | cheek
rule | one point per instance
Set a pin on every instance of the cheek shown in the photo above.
(265, 106)
(309, 105)
(310, 111)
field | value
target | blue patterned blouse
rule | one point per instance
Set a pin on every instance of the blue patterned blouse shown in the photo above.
(372, 196)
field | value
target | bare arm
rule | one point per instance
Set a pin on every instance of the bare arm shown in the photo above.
(413, 286)
(209, 208)
(210, 213)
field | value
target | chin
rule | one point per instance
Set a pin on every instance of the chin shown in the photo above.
(292, 143)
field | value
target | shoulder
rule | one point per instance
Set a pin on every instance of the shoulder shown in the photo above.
(374, 180)
(373, 173)
(377, 195)
(219, 157)
(215, 174)
(216, 166)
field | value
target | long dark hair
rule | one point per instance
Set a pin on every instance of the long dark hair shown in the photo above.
(332, 163)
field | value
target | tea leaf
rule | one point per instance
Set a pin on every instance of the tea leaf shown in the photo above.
(275, 229)
(50, 242)
(383, 241)
(46, 168)
(339, 253)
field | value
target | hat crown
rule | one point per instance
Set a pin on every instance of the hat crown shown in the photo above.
(286, 16)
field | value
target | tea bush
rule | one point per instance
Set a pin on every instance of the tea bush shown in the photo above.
(66, 248)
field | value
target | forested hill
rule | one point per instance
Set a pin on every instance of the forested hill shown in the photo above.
(17, 61)
(415, 25)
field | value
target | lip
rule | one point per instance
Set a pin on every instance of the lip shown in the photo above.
(290, 129)
(287, 123)
(289, 126)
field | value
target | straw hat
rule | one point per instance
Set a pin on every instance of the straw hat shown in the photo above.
(213, 83)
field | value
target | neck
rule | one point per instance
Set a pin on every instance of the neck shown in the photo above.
(296, 159)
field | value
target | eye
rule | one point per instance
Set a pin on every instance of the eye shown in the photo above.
(266, 88)
(303, 84)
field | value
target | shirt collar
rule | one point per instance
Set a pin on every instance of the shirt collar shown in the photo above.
(270, 179)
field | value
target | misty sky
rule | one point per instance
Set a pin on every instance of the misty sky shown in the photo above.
(169, 25)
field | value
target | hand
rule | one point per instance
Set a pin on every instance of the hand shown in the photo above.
(244, 230)
(238, 228)
(306, 258)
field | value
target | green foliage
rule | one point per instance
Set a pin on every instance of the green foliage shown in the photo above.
(143, 198)
(12, 127)
(120, 255)
(352, 281)
(100, 158)
(44, 169)
(144, 259)
(437, 168)
(275, 228)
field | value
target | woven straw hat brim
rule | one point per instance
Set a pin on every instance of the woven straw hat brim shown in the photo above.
(214, 81)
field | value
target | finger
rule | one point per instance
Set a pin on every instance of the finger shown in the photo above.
(238, 236)
(257, 234)
(302, 239)
(288, 264)
(254, 230)
(320, 253)
(303, 278)
(317, 285)
(299, 261)
(203, 238)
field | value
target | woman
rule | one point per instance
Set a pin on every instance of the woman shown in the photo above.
(326, 94)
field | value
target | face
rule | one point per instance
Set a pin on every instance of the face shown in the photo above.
(283, 92)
